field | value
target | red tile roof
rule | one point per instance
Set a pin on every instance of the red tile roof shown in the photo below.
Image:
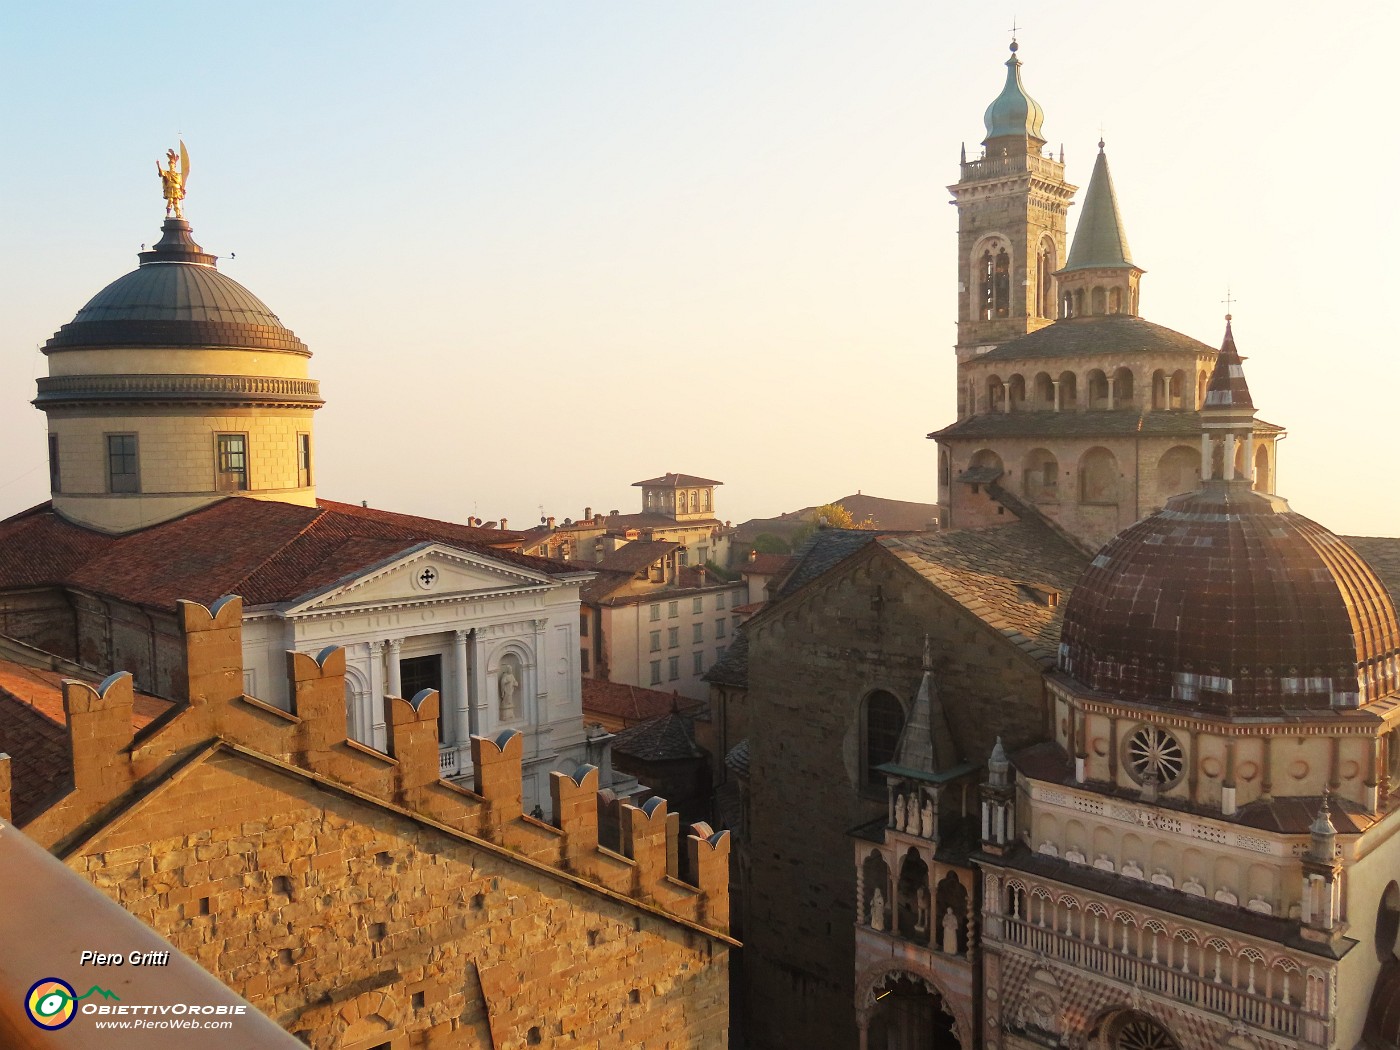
(676, 481)
(264, 550)
(34, 731)
(626, 705)
(637, 555)
(766, 564)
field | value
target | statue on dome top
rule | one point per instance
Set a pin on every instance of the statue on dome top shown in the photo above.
(172, 180)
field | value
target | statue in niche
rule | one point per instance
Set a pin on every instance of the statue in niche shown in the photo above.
(877, 909)
(509, 685)
(899, 813)
(928, 819)
(921, 915)
(950, 932)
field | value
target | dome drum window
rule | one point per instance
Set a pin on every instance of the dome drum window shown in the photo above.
(1153, 755)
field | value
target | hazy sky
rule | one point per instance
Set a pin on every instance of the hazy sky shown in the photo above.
(544, 250)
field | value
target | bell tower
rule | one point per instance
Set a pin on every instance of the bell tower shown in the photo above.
(1011, 202)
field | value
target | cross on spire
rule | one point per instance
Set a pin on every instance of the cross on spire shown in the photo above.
(1229, 302)
(1014, 28)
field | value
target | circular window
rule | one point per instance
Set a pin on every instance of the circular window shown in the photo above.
(426, 578)
(1154, 753)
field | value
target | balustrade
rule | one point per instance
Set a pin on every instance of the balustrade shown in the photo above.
(1208, 991)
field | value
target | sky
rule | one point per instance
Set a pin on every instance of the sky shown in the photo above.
(544, 250)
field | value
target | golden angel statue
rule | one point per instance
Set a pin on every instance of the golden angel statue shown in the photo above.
(173, 180)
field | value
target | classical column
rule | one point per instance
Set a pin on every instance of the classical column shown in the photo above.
(461, 701)
(375, 735)
(1249, 457)
(1112, 391)
(1227, 461)
(1206, 467)
(1056, 384)
(395, 679)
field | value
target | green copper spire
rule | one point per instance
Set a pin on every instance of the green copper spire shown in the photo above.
(1013, 112)
(1099, 241)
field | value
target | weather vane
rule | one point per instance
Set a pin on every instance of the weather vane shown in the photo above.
(173, 179)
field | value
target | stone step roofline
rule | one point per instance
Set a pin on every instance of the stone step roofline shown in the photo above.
(113, 766)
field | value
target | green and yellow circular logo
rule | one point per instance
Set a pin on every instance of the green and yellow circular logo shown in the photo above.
(51, 1003)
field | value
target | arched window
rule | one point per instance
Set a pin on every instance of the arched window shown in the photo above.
(945, 468)
(1176, 391)
(1046, 298)
(1003, 284)
(1067, 305)
(1098, 476)
(1123, 387)
(988, 304)
(985, 457)
(1078, 302)
(882, 724)
(1040, 475)
(1069, 390)
(1262, 481)
(996, 394)
(1016, 392)
(1179, 470)
(1043, 391)
(1115, 301)
(1098, 389)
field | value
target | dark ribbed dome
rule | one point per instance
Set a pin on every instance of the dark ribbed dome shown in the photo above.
(1228, 601)
(175, 298)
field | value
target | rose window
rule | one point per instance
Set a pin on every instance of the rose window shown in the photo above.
(1154, 754)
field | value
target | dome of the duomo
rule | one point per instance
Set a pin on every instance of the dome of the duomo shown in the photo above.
(176, 297)
(1227, 601)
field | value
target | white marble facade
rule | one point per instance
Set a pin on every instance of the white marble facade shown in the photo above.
(501, 641)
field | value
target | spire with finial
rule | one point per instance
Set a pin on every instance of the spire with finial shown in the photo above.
(1227, 388)
(1099, 240)
(998, 764)
(926, 744)
(1323, 832)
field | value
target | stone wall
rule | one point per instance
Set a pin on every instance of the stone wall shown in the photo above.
(812, 661)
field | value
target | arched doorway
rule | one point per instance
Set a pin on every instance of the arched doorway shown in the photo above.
(908, 1014)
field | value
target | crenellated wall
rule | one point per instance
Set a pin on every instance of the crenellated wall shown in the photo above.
(358, 899)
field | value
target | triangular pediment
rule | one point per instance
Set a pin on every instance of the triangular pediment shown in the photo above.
(427, 572)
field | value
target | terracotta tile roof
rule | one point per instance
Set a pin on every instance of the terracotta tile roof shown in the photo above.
(266, 551)
(34, 732)
(637, 555)
(1119, 422)
(766, 564)
(37, 547)
(676, 481)
(749, 609)
(630, 704)
(668, 738)
(737, 758)
(1097, 335)
(995, 573)
(603, 584)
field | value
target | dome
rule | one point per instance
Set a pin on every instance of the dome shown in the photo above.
(1013, 112)
(1228, 602)
(176, 297)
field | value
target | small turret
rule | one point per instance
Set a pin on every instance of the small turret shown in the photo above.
(1227, 419)
(1100, 278)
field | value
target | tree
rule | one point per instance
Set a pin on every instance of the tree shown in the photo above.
(829, 516)
(768, 543)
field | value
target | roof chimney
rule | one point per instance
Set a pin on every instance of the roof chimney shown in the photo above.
(503, 524)
(587, 514)
(549, 521)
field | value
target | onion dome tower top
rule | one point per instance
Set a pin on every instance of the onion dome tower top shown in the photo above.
(1228, 602)
(1014, 112)
(173, 387)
